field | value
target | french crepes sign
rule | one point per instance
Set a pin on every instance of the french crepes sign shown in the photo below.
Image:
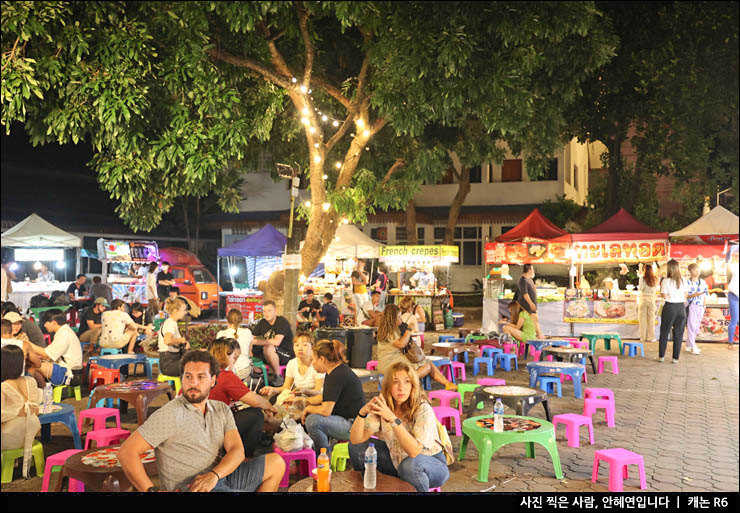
(419, 253)
(621, 251)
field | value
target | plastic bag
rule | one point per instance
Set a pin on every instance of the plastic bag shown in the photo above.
(293, 437)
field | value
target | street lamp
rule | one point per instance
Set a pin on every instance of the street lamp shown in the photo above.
(720, 193)
(290, 172)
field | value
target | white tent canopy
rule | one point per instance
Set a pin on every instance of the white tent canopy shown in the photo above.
(36, 232)
(718, 221)
(350, 242)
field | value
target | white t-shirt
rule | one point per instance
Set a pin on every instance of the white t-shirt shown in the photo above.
(151, 286)
(244, 337)
(307, 380)
(65, 349)
(114, 324)
(733, 285)
(168, 326)
(5, 280)
(675, 294)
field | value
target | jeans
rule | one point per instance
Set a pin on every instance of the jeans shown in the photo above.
(733, 300)
(673, 316)
(422, 472)
(320, 428)
(247, 477)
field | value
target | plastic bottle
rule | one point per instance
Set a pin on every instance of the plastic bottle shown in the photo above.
(48, 397)
(371, 467)
(322, 471)
(498, 416)
(77, 294)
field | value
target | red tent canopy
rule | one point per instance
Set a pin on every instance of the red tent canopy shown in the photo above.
(695, 250)
(620, 226)
(534, 226)
(178, 256)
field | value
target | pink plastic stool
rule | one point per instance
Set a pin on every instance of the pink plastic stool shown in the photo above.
(104, 437)
(99, 416)
(612, 359)
(578, 344)
(618, 460)
(510, 348)
(57, 460)
(372, 365)
(438, 489)
(598, 393)
(491, 382)
(445, 398)
(572, 422)
(458, 369)
(282, 370)
(444, 413)
(567, 377)
(306, 456)
(591, 405)
(535, 354)
(483, 348)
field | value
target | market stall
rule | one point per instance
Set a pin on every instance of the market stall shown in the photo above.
(120, 261)
(36, 240)
(428, 295)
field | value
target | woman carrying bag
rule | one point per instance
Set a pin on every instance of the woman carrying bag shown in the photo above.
(170, 344)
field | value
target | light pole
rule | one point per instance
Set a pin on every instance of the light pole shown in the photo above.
(291, 265)
(720, 193)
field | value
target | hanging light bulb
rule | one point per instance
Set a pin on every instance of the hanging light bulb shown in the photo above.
(326, 176)
(312, 130)
(345, 221)
(304, 89)
(294, 80)
(308, 204)
(366, 133)
(316, 145)
(317, 159)
(37, 266)
(305, 111)
(360, 123)
(326, 206)
(305, 121)
(324, 118)
(338, 165)
(335, 123)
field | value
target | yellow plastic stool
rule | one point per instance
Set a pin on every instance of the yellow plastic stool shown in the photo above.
(9, 457)
(59, 389)
(339, 457)
(173, 379)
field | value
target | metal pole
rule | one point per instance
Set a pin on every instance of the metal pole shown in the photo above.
(218, 286)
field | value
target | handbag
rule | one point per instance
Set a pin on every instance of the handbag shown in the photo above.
(413, 353)
(445, 442)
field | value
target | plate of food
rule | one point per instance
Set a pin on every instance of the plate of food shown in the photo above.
(609, 310)
(578, 309)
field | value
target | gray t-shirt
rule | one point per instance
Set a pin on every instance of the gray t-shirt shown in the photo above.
(526, 286)
(34, 333)
(186, 442)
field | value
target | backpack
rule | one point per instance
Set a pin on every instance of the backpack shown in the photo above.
(40, 301)
(59, 298)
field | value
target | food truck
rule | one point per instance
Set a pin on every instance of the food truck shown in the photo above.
(193, 279)
(121, 261)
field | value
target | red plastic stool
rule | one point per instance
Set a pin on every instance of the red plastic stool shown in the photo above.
(103, 376)
(618, 460)
(104, 437)
(509, 346)
(572, 422)
(56, 461)
(99, 416)
(445, 398)
(591, 405)
(306, 456)
(444, 414)
(372, 365)
(611, 359)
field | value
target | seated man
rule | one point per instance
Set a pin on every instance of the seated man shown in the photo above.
(309, 308)
(119, 329)
(77, 286)
(90, 322)
(375, 312)
(329, 314)
(189, 434)
(273, 340)
(64, 354)
(101, 290)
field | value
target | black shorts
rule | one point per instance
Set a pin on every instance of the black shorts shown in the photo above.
(258, 352)
(525, 306)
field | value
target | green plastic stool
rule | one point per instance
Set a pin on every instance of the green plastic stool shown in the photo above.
(607, 337)
(467, 387)
(59, 389)
(9, 457)
(173, 379)
(256, 362)
(339, 457)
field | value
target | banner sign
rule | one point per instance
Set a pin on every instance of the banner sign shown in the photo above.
(129, 292)
(600, 312)
(292, 261)
(527, 253)
(249, 306)
(622, 251)
(125, 251)
(431, 253)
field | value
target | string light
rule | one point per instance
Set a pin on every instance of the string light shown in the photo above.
(326, 206)
(335, 123)
(317, 159)
(312, 130)
(360, 123)
(308, 204)
(316, 145)
(339, 165)
(326, 176)
(303, 89)
(305, 111)
(324, 118)
(366, 133)
(305, 121)
(345, 221)
(294, 80)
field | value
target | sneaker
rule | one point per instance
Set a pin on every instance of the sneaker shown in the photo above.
(696, 351)
(660, 359)
(277, 381)
(675, 360)
(688, 350)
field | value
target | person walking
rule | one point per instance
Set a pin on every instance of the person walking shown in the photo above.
(648, 288)
(673, 289)
(697, 291)
(732, 298)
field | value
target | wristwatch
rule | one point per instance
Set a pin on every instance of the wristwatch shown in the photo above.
(153, 489)
(397, 422)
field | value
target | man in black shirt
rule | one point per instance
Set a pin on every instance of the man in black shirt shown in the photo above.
(91, 323)
(273, 340)
(79, 286)
(164, 281)
(309, 308)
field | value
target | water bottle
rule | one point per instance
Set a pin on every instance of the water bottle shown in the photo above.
(48, 397)
(77, 294)
(322, 471)
(371, 467)
(498, 416)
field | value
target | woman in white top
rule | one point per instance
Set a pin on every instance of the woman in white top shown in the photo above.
(170, 343)
(243, 365)
(408, 443)
(648, 288)
(673, 289)
(20, 402)
(300, 376)
(151, 289)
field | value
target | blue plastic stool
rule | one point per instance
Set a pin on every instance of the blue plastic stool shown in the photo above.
(548, 383)
(504, 360)
(110, 350)
(488, 360)
(67, 417)
(445, 338)
(633, 348)
(426, 382)
(491, 351)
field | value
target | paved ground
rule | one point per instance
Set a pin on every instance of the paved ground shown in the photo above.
(682, 418)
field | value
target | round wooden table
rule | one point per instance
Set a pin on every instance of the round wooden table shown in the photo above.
(353, 481)
(452, 348)
(570, 354)
(521, 399)
(140, 393)
(104, 478)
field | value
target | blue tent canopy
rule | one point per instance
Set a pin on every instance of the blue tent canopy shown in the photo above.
(266, 242)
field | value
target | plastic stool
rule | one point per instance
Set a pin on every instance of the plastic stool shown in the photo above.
(535, 354)
(256, 362)
(339, 457)
(591, 405)
(9, 456)
(444, 413)
(99, 417)
(371, 365)
(172, 379)
(306, 456)
(568, 377)
(152, 362)
(598, 393)
(458, 371)
(56, 462)
(572, 422)
(104, 376)
(633, 346)
(619, 460)
(508, 346)
(488, 360)
(464, 388)
(426, 382)
(110, 350)
(504, 361)
(446, 397)
(611, 359)
(579, 344)
(548, 384)
(491, 382)
(103, 437)
(445, 338)
(282, 370)
(60, 388)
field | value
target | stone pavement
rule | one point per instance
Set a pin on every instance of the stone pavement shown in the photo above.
(683, 419)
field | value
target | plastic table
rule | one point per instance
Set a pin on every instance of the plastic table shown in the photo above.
(521, 399)
(574, 370)
(116, 361)
(140, 393)
(107, 478)
(538, 344)
(572, 354)
(65, 415)
(606, 337)
(487, 441)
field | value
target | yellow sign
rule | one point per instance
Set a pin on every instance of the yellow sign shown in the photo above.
(432, 253)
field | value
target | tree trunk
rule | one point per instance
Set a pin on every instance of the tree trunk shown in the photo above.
(411, 233)
(613, 176)
(457, 202)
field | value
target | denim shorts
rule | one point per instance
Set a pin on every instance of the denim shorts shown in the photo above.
(247, 477)
(58, 375)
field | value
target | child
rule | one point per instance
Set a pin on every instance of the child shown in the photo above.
(695, 311)
(300, 376)
(243, 365)
(31, 359)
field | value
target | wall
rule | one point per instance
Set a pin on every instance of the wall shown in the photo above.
(262, 194)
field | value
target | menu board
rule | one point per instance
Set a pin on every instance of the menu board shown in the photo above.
(714, 325)
(526, 253)
(128, 251)
(249, 306)
(601, 312)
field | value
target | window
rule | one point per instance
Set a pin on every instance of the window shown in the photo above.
(420, 234)
(469, 241)
(505, 229)
(439, 234)
(569, 176)
(178, 274)
(379, 233)
(475, 174)
(551, 172)
(203, 276)
(401, 235)
(511, 171)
